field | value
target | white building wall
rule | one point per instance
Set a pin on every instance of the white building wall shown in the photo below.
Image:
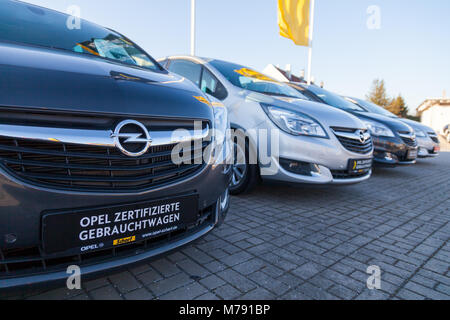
(426, 118)
(436, 117)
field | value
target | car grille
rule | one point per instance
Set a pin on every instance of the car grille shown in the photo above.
(344, 174)
(32, 261)
(92, 168)
(353, 144)
(95, 168)
(434, 138)
(412, 142)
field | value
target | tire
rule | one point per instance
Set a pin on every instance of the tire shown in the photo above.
(245, 176)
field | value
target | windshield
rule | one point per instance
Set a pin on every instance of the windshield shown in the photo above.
(372, 107)
(23, 23)
(333, 99)
(252, 80)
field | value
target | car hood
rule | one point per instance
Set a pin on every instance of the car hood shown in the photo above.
(326, 115)
(392, 123)
(40, 78)
(416, 125)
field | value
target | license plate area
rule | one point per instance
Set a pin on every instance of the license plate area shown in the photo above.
(86, 230)
(360, 165)
(412, 154)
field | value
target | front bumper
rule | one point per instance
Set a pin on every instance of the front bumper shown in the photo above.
(21, 208)
(328, 156)
(391, 152)
(427, 147)
(323, 176)
(91, 271)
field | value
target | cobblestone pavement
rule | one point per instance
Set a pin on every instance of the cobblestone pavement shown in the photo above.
(310, 243)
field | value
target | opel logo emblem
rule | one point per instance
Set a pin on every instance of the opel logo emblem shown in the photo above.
(362, 136)
(131, 138)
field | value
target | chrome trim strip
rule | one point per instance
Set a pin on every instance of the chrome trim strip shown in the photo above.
(352, 180)
(75, 136)
(103, 138)
(352, 136)
(160, 138)
(408, 136)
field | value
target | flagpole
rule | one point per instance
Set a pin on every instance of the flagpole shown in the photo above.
(193, 27)
(311, 41)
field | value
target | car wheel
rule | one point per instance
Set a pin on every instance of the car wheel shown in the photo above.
(244, 175)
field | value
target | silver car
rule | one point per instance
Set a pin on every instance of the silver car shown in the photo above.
(316, 145)
(427, 138)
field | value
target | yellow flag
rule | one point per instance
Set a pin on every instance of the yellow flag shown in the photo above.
(293, 20)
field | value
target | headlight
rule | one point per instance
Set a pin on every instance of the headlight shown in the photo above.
(420, 133)
(221, 135)
(220, 123)
(295, 123)
(378, 129)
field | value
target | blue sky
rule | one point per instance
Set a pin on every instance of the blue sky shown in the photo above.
(411, 50)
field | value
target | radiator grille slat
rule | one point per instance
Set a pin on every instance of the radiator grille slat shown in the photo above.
(105, 178)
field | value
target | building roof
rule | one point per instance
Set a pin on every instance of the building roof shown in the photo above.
(291, 76)
(428, 103)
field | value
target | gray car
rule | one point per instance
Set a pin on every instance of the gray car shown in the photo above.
(427, 139)
(90, 125)
(317, 144)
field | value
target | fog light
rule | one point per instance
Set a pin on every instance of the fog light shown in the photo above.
(423, 152)
(299, 167)
(390, 157)
(10, 238)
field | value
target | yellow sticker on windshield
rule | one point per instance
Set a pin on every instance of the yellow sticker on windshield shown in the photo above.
(86, 48)
(252, 74)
